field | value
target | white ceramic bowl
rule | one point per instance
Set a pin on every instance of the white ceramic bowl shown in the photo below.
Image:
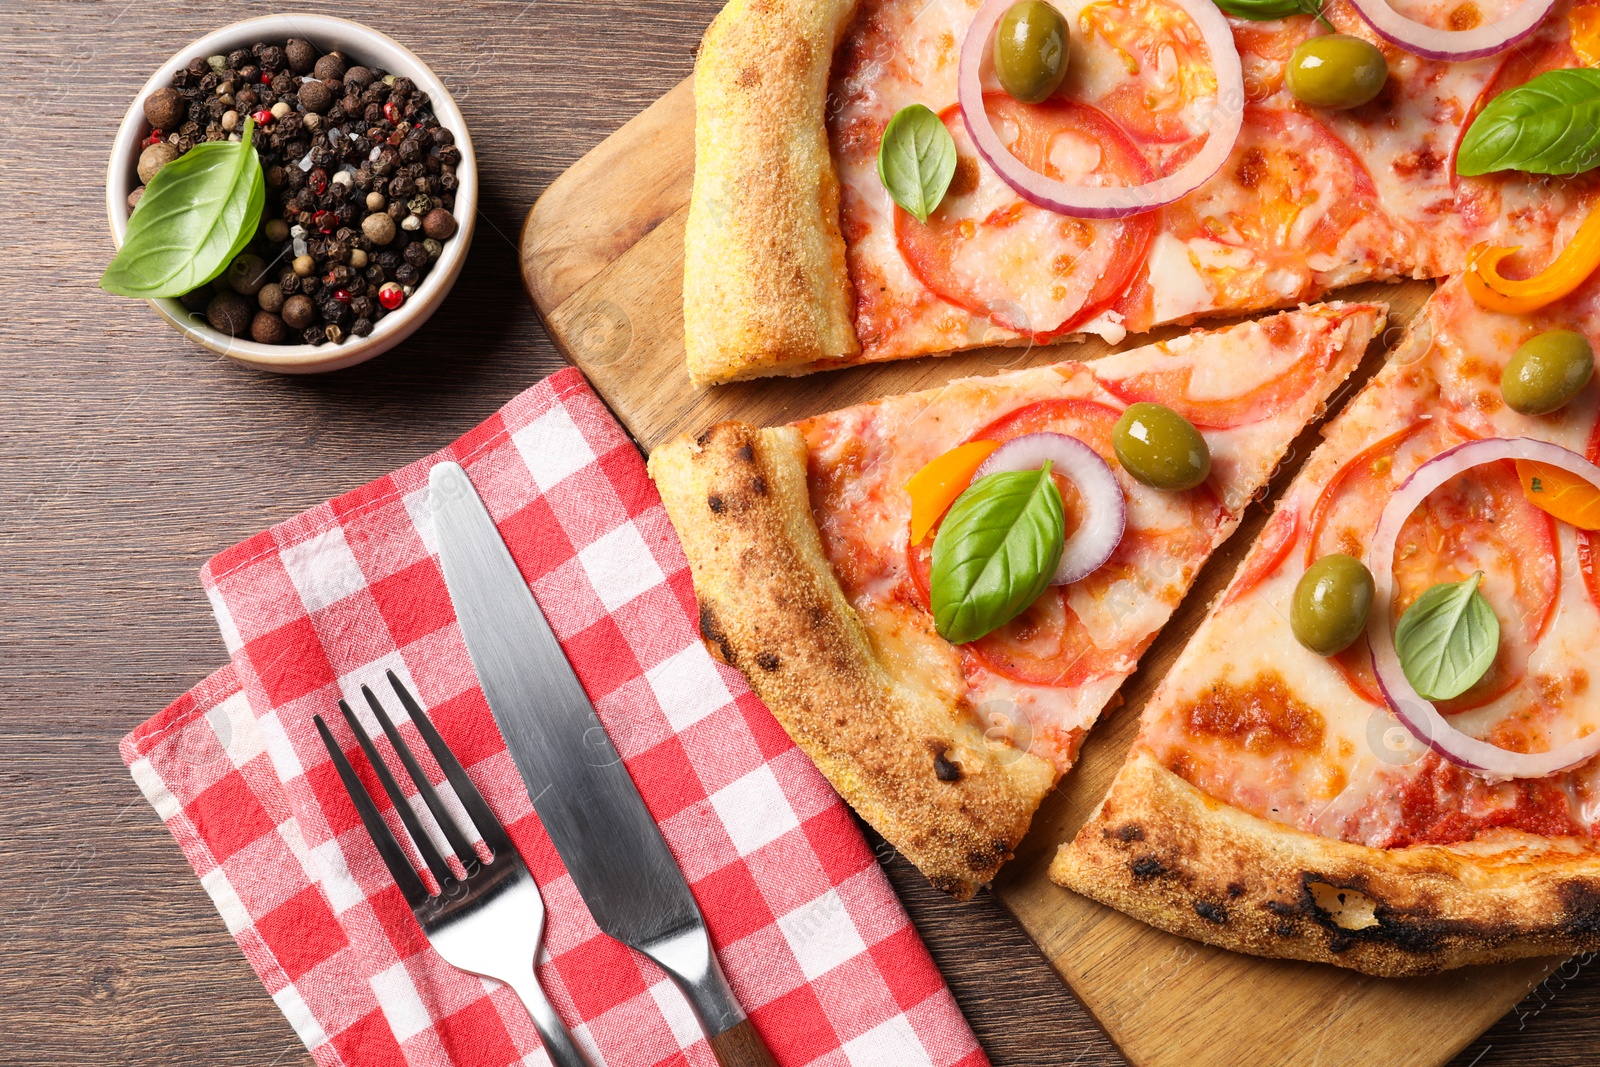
(360, 45)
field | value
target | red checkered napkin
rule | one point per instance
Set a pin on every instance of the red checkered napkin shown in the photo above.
(812, 938)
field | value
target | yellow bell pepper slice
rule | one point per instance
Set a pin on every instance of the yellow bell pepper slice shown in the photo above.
(935, 487)
(1564, 274)
(1564, 495)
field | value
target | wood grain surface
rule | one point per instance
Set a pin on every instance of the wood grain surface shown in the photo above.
(127, 457)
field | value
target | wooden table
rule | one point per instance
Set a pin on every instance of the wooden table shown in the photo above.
(127, 457)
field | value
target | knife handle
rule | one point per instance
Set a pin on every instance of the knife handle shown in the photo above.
(741, 1046)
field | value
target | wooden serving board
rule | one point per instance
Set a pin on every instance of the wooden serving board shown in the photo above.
(602, 260)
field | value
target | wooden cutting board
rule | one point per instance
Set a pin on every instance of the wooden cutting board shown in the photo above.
(602, 260)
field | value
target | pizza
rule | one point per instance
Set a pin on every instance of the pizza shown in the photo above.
(823, 572)
(798, 257)
(1277, 801)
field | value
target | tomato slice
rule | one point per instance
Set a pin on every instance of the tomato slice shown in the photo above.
(1163, 56)
(1288, 194)
(1587, 540)
(1478, 521)
(1050, 644)
(1026, 269)
(1477, 198)
(1172, 388)
(1277, 537)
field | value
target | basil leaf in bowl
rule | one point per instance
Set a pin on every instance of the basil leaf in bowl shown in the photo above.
(995, 552)
(916, 160)
(197, 213)
(1448, 639)
(1549, 125)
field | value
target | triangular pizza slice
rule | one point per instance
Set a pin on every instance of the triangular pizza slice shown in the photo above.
(1290, 799)
(941, 707)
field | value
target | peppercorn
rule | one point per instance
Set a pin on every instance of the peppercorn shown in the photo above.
(267, 328)
(391, 296)
(165, 108)
(230, 313)
(230, 120)
(270, 297)
(361, 327)
(196, 299)
(304, 265)
(298, 311)
(238, 58)
(250, 74)
(330, 67)
(416, 254)
(433, 246)
(314, 96)
(247, 274)
(439, 224)
(406, 274)
(289, 282)
(134, 198)
(301, 56)
(313, 335)
(276, 231)
(154, 158)
(378, 228)
(271, 58)
(333, 332)
(358, 258)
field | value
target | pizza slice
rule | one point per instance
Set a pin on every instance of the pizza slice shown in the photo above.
(1420, 798)
(800, 254)
(935, 678)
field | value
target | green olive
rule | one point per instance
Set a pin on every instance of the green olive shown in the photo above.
(1030, 50)
(1547, 372)
(1331, 604)
(1160, 448)
(1336, 71)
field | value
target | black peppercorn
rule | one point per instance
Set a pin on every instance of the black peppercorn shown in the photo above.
(230, 313)
(250, 74)
(406, 274)
(330, 66)
(362, 327)
(415, 254)
(271, 58)
(300, 55)
(315, 97)
(198, 67)
(289, 282)
(313, 335)
(267, 328)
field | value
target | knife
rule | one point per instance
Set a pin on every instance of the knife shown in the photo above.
(580, 788)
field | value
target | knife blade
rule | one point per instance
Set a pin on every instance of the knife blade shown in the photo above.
(580, 787)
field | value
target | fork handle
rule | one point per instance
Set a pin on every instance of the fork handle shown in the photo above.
(558, 1043)
(741, 1046)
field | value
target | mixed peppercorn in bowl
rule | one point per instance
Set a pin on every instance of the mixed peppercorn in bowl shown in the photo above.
(323, 178)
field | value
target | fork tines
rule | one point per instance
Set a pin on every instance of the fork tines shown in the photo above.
(394, 857)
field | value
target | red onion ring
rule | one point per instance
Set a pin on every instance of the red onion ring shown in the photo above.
(1105, 510)
(1111, 201)
(1410, 707)
(1431, 43)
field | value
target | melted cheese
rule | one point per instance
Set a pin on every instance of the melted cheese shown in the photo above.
(1309, 200)
(861, 458)
(1367, 778)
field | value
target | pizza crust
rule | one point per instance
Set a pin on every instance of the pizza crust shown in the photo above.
(765, 285)
(915, 766)
(1164, 852)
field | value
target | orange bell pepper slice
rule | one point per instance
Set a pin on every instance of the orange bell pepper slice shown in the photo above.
(1564, 274)
(935, 487)
(1564, 495)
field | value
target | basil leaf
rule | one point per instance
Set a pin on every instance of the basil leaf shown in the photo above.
(916, 160)
(197, 213)
(1448, 639)
(1549, 125)
(1268, 10)
(995, 552)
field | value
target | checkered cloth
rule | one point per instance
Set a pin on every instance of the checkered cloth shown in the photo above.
(813, 941)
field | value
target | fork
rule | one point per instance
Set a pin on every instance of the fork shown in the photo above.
(488, 923)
